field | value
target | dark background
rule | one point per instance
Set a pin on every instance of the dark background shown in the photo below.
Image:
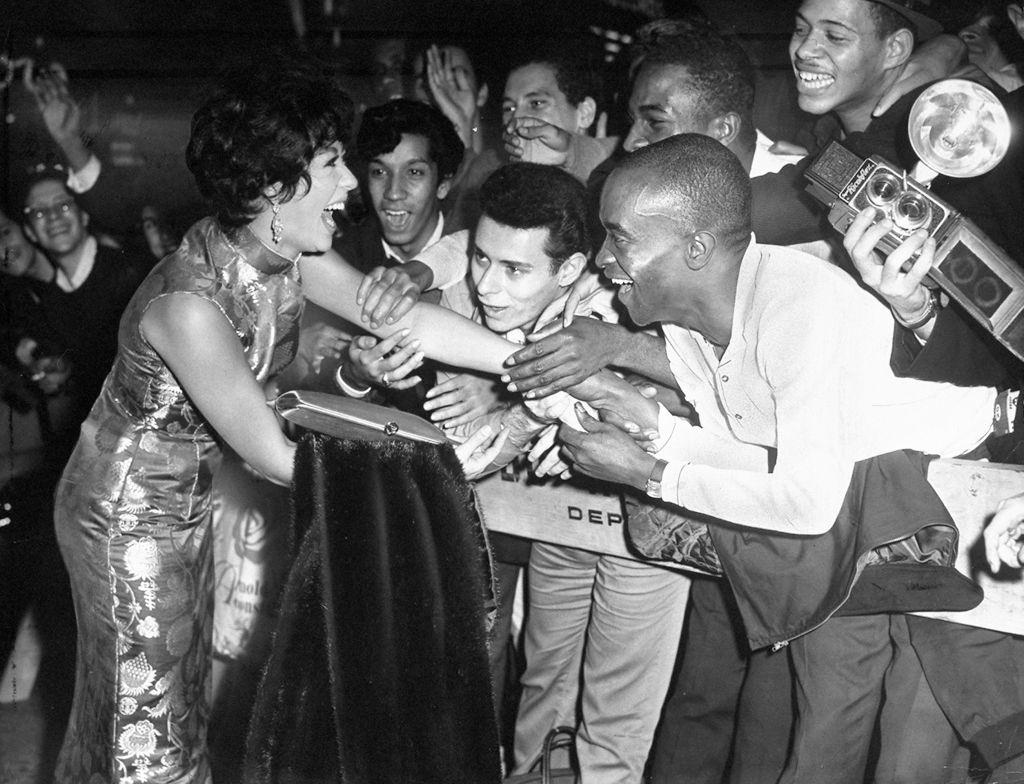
(139, 68)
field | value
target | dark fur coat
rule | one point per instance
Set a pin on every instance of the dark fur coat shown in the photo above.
(379, 669)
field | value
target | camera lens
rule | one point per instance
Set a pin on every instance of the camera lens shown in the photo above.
(883, 188)
(912, 212)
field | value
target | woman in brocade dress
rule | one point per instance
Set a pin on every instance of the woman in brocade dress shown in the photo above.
(212, 322)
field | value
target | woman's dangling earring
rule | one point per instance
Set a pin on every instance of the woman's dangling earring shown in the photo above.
(276, 227)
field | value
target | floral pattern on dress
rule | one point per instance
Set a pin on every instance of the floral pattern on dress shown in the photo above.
(133, 512)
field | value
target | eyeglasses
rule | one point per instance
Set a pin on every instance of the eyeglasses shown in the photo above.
(58, 210)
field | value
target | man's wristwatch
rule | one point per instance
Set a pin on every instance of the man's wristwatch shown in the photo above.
(653, 487)
(923, 316)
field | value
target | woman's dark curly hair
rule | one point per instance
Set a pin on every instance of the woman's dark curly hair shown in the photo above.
(262, 126)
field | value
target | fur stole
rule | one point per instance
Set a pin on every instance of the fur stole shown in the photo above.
(379, 670)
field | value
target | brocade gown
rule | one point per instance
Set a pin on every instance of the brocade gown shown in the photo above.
(133, 511)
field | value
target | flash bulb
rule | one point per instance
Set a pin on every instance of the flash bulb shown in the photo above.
(959, 128)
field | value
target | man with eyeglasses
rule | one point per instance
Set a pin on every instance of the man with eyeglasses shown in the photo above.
(92, 284)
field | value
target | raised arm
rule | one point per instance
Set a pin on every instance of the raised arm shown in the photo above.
(61, 114)
(446, 336)
(202, 351)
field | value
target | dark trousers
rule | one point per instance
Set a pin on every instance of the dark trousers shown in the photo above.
(728, 716)
(845, 671)
(33, 576)
(977, 678)
(926, 685)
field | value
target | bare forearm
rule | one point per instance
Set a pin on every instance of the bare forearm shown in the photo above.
(452, 339)
(332, 283)
(202, 351)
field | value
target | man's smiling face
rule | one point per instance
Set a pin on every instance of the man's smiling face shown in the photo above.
(514, 278)
(643, 252)
(838, 58)
(532, 91)
(54, 219)
(406, 193)
(663, 103)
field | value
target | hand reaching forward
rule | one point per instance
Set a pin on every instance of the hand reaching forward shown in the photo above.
(478, 451)
(603, 451)
(1004, 535)
(387, 362)
(388, 293)
(460, 400)
(562, 357)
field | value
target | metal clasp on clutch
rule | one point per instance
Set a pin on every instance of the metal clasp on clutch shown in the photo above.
(344, 417)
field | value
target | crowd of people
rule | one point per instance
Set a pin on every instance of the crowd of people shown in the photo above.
(666, 315)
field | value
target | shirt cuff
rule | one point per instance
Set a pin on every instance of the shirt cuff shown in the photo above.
(82, 180)
(672, 481)
(666, 428)
(347, 388)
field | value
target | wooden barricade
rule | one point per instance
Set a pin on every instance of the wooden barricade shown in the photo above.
(579, 514)
(575, 513)
(971, 491)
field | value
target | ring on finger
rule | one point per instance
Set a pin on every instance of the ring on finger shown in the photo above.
(385, 380)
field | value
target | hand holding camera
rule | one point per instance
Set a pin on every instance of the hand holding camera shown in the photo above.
(957, 128)
(963, 261)
(899, 276)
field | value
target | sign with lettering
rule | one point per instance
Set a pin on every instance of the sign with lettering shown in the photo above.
(577, 512)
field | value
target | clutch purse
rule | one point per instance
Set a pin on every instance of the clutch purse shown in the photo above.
(344, 417)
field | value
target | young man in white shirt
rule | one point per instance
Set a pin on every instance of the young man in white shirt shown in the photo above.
(785, 360)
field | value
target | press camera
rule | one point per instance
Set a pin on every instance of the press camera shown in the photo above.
(968, 266)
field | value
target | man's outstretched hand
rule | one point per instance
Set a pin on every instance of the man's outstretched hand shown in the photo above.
(603, 451)
(563, 357)
(460, 400)
(388, 293)
(1004, 535)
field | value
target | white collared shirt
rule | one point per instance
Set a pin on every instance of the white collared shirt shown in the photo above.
(806, 373)
(391, 252)
(82, 180)
(767, 162)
